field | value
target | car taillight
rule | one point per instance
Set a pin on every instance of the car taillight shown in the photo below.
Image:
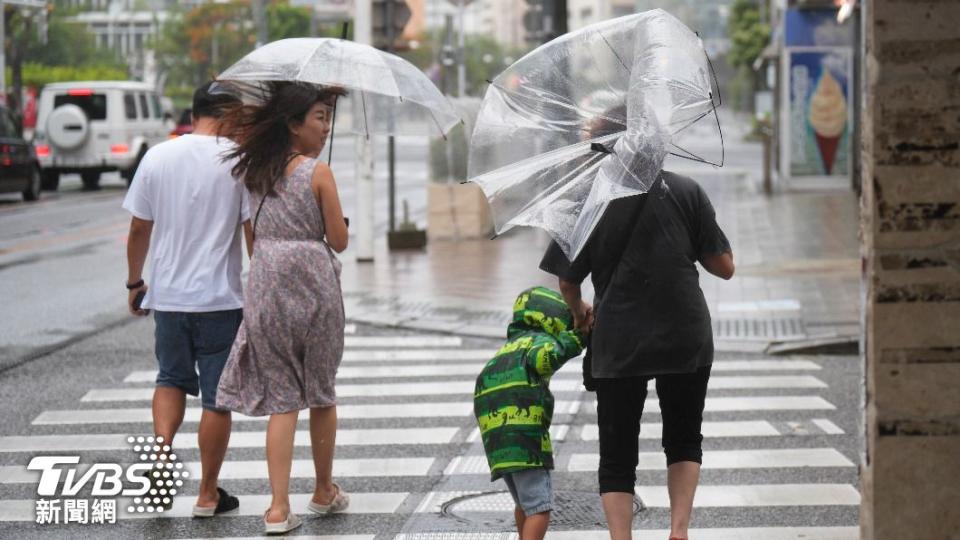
(80, 92)
(43, 150)
(121, 148)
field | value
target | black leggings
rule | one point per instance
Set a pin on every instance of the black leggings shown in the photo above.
(619, 407)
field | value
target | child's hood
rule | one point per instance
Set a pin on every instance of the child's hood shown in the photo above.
(540, 309)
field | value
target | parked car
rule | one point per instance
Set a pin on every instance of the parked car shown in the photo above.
(92, 127)
(19, 169)
(184, 124)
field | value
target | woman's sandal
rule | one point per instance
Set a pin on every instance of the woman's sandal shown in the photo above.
(281, 527)
(339, 503)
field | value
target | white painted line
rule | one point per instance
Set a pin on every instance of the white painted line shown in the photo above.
(757, 428)
(753, 495)
(473, 368)
(238, 439)
(257, 469)
(766, 381)
(427, 409)
(728, 496)
(760, 403)
(121, 416)
(558, 432)
(402, 341)
(765, 365)
(350, 329)
(788, 304)
(732, 459)
(415, 370)
(827, 426)
(466, 387)
(250, 505)
(448, 355)
(738, 533)
(309, 537)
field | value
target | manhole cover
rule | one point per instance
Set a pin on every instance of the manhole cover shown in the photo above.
(495, 509)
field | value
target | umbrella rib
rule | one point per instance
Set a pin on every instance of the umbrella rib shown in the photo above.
(614, 51)
(435, 121)
(363, 103)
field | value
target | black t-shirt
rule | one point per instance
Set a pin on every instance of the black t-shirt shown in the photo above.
(651, 316)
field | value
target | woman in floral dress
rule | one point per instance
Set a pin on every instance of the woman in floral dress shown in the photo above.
(289, 346)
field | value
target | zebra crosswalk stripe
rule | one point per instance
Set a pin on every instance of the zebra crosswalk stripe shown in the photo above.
(773, 458)
(250, 505)
(466, 387)
(257, 469)
(238, 439)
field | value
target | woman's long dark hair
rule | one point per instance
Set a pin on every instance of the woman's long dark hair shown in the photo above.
(262, 132)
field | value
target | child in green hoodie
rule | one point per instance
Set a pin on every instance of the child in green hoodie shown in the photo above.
(514, 406)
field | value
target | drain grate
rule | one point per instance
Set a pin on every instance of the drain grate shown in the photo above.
(768, 329)
(494, 509)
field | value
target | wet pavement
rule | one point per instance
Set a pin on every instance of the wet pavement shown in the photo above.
(797, 257)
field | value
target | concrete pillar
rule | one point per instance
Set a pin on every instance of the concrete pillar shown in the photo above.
(911, 246)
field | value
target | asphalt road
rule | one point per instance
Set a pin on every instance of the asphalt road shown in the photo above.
(63, 262)
(774, 471)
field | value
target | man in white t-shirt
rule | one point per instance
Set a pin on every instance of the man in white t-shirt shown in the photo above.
(187, 212)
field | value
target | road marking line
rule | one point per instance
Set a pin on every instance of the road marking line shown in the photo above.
(732, 459)
(238, 439)
(402, 341)
(390, 410)
(754, 403)
(427, 370)
(250, 505)
(827, 426)
(733, 533)
(654, 430)
(708, 496)
(257, 469)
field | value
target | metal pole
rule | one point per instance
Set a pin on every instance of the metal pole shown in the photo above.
(362, 30)
(461, 53)
(260, 21)
(391, 165)
(3, 58)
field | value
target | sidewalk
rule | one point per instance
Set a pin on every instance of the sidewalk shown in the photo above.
(798, 268)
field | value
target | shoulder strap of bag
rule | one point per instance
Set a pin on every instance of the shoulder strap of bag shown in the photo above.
(256, 218)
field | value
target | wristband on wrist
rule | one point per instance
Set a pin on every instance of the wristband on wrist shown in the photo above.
(137, 285)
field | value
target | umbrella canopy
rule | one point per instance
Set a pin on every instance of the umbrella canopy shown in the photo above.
(392, 95)
(590, 117)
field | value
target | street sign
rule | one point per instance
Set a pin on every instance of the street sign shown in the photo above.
(389, 19)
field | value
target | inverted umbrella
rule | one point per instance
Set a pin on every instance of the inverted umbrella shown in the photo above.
(589, 117)
(392, 95)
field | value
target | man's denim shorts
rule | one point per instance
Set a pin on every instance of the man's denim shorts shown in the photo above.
(190, 342)
(531, 489)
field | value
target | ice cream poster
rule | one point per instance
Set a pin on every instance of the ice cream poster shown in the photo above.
(820, 113)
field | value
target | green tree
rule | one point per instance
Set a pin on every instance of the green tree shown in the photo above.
(285, 21)
(68, 53)
(748, 37)
(748, 34)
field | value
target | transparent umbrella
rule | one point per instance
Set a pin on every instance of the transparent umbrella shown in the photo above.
(391, 95)
(590, 117)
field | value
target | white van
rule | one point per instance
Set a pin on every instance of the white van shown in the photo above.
(91, 127)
